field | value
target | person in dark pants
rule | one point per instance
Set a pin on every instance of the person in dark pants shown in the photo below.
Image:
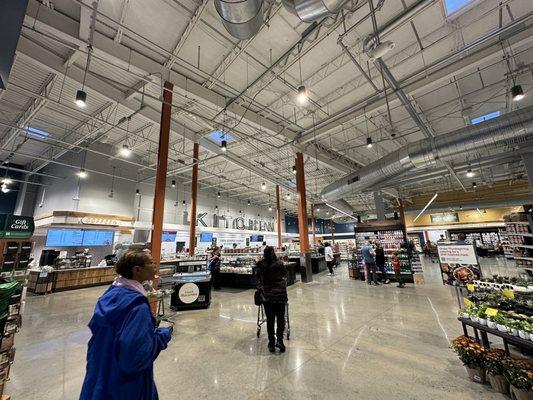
(272, 282)
(330, 258)
(369, 256)
(214, 267)
(380, 262)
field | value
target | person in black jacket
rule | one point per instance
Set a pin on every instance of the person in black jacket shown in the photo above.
(272, 282)
(380, 262)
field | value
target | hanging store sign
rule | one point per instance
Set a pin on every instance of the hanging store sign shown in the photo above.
(444, 218)
(16, 226)
(458, 264)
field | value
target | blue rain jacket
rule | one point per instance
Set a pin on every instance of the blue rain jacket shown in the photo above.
(123, 348)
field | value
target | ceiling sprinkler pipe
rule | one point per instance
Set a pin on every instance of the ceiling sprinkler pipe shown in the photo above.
(241, 18)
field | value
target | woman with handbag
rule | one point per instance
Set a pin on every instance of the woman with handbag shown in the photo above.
(272, 288)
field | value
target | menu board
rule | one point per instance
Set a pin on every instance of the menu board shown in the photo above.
(79, 238)
(206, 237)
(93, 238)
(168, 236)
(64, 238)
(458, 264)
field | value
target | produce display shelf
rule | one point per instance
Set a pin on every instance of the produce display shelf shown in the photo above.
(519, 234)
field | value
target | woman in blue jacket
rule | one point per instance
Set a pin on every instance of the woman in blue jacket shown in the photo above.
(125, 341)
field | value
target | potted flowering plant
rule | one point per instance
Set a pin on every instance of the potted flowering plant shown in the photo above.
(482, 317)
(495, 368)
(472, 356)
(501, 322)
(523, 329)
(519, 373)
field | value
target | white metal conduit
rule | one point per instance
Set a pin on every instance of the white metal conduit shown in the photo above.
(511, 129)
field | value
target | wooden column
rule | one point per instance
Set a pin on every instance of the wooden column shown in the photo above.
(302, 204)
(313, 223)
(161, 175)
(278, 216)
(306, 270)
(194, 196)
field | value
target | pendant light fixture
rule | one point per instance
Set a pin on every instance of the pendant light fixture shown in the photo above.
(184, 203)
(318, 210)
(5, 189)
(470, 173)
(125, 151)
(302, 96)
(288, 196)
(474, 185)
(218, 195)
(517, 92)
(216, 207)
(263, 186)
(173, 184)
(111, 192)
(224, 146)
(249, 203)
(269, 208)
(294, 169)
(82, 173)
(137, 192)
(369, 142)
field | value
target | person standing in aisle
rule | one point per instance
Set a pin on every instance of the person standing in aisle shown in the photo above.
(380, 262)
(330, 258)
(370, 261)
(213, 266)
(396, 266)
(272, 282)
(125, 342)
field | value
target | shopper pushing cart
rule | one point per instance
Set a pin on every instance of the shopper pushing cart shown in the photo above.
(272, 289)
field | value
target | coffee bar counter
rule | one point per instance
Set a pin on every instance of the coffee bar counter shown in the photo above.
(40, 282)
(318, 264)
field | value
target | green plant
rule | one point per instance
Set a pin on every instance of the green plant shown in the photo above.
(519, 373)
(495, 361)
(471, 354)
(500, 319)
(481, 312)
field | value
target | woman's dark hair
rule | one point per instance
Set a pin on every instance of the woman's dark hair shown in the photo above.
(269, 255)
(130, 259)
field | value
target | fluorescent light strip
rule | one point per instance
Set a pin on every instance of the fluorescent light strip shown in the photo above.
(427, 205)
(480, 213)
(342, 212)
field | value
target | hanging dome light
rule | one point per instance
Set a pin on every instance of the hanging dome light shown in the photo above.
(223, 145)
(269, 208)
(82, 173)
(369, 142)
(125, 151)
(294, 169)
(249, 202)
(218, 195)
(173, 184)
(137, 192)
(184, 202)
(470, 173)
(517, 93)
(263, 186)
(81, 98)
(302, 97)
(288, 196)
(7, 181)
(474, 185)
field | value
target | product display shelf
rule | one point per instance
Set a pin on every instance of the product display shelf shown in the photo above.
(391, 239)
(518, 227)
(14, 259)
(343, 247)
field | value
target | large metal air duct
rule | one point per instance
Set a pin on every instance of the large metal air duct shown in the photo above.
(241, 18)
(508, 130)
(313, 10)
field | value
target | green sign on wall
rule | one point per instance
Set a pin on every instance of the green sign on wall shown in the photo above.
(16, 226)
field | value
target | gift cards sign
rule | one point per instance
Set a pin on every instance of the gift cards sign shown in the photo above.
(16, 226)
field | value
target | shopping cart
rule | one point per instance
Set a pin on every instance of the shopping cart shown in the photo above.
(261, 319)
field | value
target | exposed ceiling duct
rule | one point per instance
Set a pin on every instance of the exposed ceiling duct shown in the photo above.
(241, 18)
(507, 130)
(313, 10)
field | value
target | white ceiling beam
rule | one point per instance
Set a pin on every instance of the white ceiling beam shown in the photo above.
(123, 14)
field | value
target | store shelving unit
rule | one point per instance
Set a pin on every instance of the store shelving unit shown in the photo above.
(519, 231)
(391, 236)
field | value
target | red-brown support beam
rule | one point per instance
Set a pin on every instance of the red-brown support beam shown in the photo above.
(278, 216)
(194, 196)
(303, 230)
(161, 175)
(306, 270)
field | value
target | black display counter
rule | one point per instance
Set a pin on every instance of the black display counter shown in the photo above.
(291, 272)
(231, 279)
(318, 264)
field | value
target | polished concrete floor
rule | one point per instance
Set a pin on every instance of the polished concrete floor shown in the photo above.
(348, 340)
